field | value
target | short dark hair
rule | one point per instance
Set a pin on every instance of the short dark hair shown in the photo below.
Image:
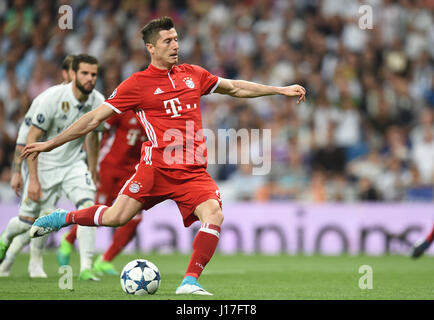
(67, 62)
(85, 58)
(152, 28)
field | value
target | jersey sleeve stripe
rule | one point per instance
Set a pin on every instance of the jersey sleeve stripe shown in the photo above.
(112, 106)
(215, 86)
(39, 127)
(149, 128)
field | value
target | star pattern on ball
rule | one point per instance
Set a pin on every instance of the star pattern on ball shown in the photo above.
(141, 264)
(125, 276)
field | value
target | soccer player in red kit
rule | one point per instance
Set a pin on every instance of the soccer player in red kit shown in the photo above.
(166, 100)
(123, 136)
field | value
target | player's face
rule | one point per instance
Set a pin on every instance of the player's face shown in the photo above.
(166, 48)
(85, 77)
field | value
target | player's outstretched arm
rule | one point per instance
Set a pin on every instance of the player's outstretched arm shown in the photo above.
(82, 126)
(247, 89)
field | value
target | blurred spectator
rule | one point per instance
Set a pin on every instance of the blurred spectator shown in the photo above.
(423, 157)
(367, 191)
(330, 158)
(393, 181)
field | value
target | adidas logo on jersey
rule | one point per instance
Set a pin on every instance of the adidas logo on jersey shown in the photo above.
(158, 91)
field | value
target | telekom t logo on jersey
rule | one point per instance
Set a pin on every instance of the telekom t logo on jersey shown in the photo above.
(173, 106)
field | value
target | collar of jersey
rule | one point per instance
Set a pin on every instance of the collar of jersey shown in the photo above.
(163, 72)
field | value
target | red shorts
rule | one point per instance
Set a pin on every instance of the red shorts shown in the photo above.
(151, 186)
(109, 185)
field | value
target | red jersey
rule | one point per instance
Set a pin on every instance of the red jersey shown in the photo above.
(167, 105)
(121, 144)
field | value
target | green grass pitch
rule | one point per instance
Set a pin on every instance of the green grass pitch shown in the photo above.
(242, 277)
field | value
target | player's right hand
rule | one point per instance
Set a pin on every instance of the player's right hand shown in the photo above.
(34, 191)
(17, 183)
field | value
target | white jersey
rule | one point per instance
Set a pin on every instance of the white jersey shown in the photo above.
(54, 113)
(25, 125)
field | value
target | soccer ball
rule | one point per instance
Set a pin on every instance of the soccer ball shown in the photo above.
(140, 277)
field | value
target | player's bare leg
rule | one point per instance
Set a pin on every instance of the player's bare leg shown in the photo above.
(204, 245)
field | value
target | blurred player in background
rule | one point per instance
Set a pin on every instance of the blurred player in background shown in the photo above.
(118, 156)
(65, 169)
(421, 247)
(19, 170)
(166, 100)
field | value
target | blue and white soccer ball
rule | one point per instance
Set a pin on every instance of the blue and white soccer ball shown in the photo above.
(140, 277)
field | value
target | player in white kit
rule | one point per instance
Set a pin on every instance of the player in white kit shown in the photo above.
(19, 175)
(64, 170)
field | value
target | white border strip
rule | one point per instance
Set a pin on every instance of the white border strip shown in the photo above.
(113, 107)
(215, 86)
(211, 231)
(97, 213)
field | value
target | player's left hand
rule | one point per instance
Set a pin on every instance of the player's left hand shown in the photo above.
(34, 149)
(294, 91)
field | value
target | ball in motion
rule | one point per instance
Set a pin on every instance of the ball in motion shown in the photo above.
(140, 277)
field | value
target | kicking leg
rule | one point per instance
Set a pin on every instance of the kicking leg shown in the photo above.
(122, 211)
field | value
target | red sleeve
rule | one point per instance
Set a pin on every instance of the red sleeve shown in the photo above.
(127, 96)
(208, 81)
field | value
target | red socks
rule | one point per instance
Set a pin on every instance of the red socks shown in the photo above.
(91, 216)
(121, 237)
(204, 245)
(72, 234)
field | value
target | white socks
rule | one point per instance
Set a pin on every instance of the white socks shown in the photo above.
(86, 244)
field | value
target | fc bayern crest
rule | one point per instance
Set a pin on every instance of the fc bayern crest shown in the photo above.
(134, 188)
(189, 82)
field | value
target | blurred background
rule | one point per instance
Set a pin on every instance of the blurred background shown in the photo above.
(365, 132)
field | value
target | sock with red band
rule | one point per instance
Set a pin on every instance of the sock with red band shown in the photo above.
(121, 238)
(91, 216)
(204, 245)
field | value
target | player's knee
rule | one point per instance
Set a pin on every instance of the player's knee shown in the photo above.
(214, 215)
